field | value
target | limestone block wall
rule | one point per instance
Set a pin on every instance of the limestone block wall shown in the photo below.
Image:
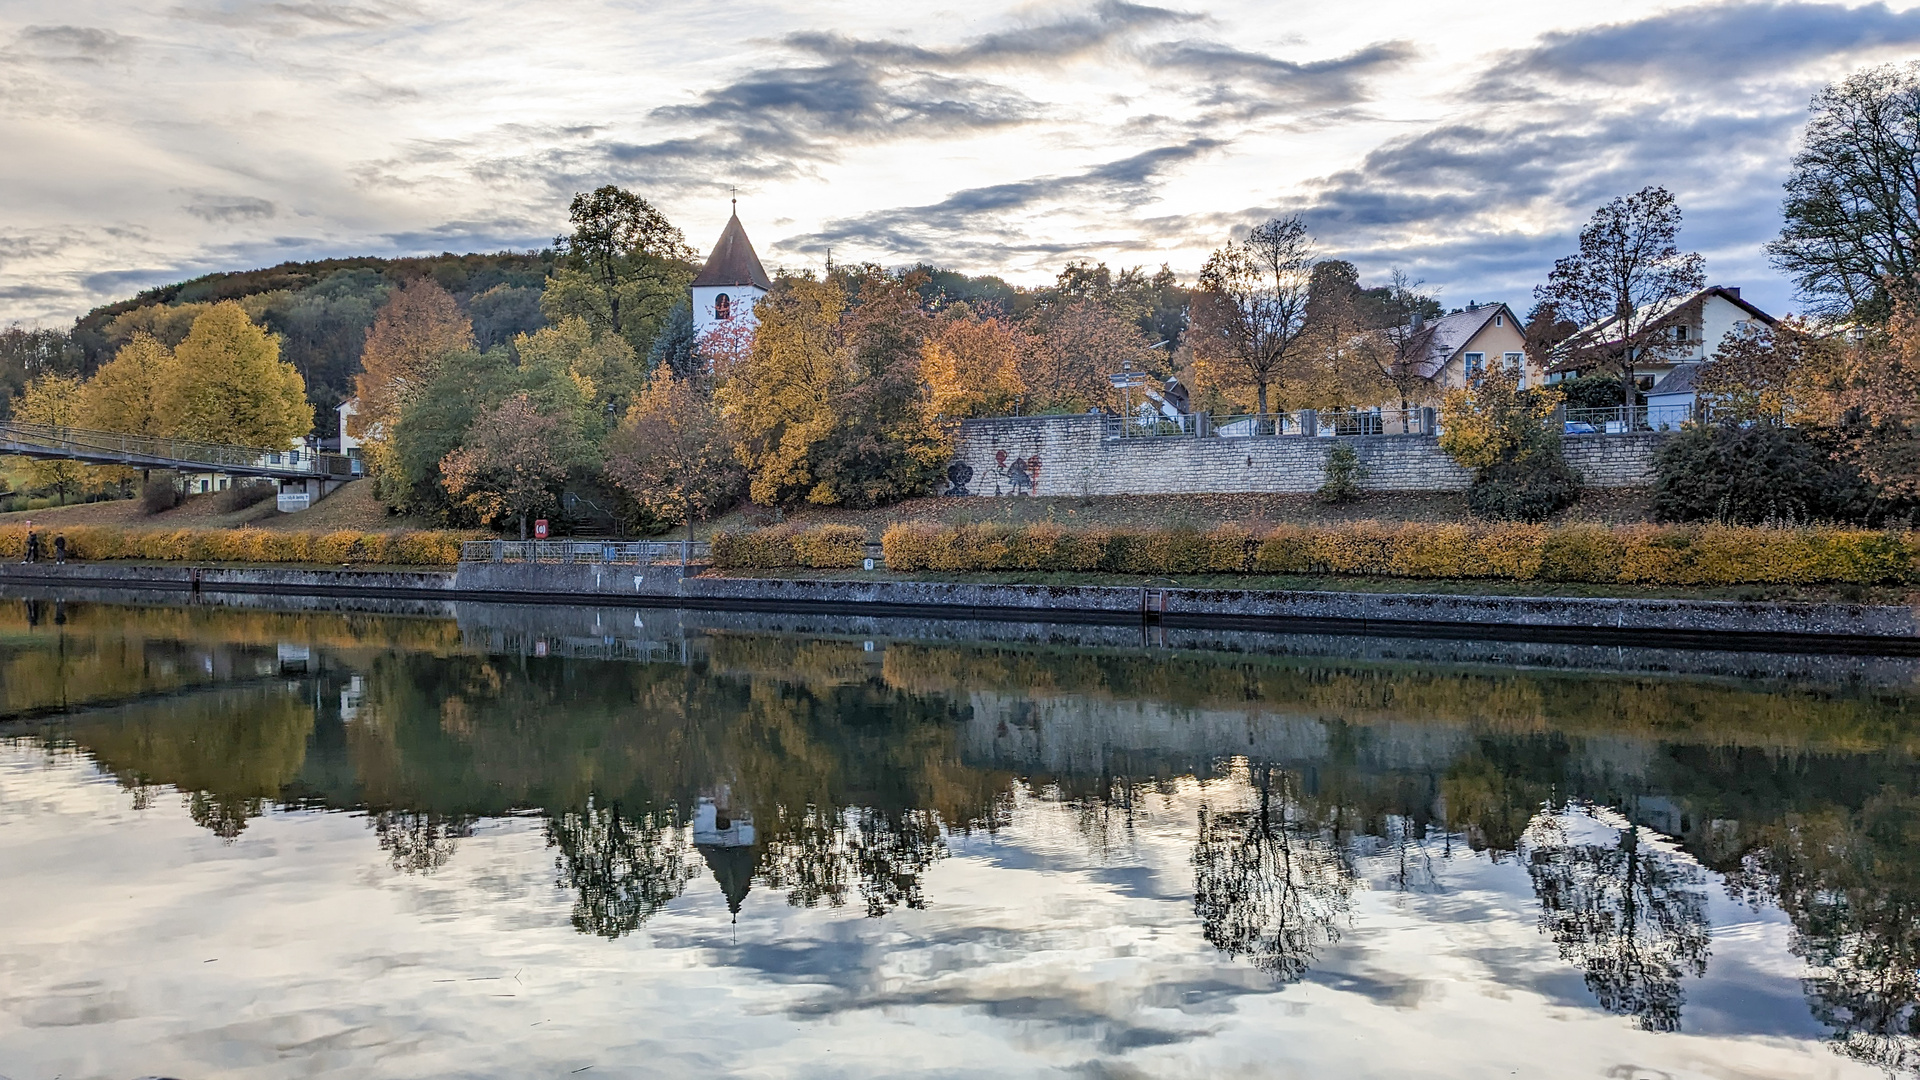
(1072, 455)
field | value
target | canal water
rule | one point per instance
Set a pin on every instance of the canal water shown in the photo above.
(445, 840)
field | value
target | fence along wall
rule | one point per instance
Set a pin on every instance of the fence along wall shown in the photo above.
(1072, 455)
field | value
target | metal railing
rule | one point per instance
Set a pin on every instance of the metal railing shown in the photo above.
(1619, 419)
(617, 552)
(186, 455)
(1301, 422)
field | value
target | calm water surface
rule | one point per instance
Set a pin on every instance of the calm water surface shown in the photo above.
(239, 842)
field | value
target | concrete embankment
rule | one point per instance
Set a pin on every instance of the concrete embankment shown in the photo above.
(1689, 623)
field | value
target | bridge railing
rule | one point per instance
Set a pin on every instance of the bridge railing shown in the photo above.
(626, 552)
(187, 454)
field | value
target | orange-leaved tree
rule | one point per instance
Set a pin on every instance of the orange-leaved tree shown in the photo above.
(419, 325)
(973, 366)
(513, 463)
(673, 454)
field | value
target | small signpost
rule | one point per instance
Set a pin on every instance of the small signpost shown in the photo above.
(540, 529)
(1125, 381)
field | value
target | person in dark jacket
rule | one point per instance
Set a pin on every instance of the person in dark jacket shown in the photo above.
(33, 547)
(60, 549)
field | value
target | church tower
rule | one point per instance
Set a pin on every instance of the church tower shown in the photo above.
(730, 283)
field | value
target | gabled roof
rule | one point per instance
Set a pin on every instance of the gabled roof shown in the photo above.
(733, 261)
(1683, 379)
(1653, 315)
(1449, 334)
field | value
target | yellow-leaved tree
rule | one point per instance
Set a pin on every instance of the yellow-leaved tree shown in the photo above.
(601, 364)
(123, 394)
(52, 401)
(229, 385)
(973, 366)
(1511, 439)
(780, 400)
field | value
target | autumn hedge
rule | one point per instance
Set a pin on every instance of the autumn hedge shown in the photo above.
(91, 543)
(821, 547)
(1632, 554)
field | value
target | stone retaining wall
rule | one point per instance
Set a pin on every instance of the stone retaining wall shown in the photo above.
(1072, 455)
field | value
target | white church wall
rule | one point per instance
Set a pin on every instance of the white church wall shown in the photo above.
(741, 299)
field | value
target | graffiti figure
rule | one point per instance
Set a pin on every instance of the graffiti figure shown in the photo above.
(959, 474)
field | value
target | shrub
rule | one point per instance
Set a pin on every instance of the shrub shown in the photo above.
(830, 546)
(159, 496)
(239, 496)
(1530, 490)
(94, 542)
(1760, 472)
(1344, 474)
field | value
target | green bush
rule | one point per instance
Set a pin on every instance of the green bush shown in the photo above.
(1756, 473)
(1344, 474)
(1530, 490)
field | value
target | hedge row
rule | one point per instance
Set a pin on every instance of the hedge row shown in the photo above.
(1633, 554)
(95, 542)
(823, 547)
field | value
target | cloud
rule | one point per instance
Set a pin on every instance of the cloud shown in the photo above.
(1238, 75)
(229, 208)
(1099, 27)
(1704, 45)
(978, 222)
(72, 44)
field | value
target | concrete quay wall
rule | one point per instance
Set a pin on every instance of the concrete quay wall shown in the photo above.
(1578, 619)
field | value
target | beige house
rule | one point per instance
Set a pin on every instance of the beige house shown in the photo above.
(1451, 351)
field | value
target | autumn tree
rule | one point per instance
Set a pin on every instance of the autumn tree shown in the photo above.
(884, 446)
(973, 366)
(52, 400)
(1851, 240)
(1399, 356)
(1511, 439)
(781, 398)
(417, 328)
(1769, 373)
(602, 366)
(1081, 344)
(673, 454)
(626, 267)
(1625, 278)
(1250, 314)
(1871, 404)
(228, 385)
(123, 395)
(513, 463)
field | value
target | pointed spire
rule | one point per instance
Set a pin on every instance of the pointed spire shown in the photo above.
(733, 261)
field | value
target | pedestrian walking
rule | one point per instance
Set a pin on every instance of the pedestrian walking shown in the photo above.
(33, 546)
(60, 550)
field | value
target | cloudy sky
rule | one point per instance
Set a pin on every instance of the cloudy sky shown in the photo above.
(1462, 140)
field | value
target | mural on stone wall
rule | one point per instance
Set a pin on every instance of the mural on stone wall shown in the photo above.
(1009, 475)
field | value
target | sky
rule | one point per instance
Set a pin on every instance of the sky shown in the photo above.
(1462, 141)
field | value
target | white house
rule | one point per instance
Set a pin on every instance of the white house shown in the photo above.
(731, 282)
(1689, 330)
(348, 409)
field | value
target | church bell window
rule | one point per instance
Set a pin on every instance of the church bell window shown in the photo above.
(722, 307)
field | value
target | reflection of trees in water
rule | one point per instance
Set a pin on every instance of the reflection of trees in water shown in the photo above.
(224, 815)
(820, 857)
(1269, 883)
(1630, 914)
(1850, 883)
(622, 870)
(419, 843)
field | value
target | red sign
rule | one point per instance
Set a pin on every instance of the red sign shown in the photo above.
(540, 529)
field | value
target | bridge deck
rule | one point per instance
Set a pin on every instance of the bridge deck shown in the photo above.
(179, 455)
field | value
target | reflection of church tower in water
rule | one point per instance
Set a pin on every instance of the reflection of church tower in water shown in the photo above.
(724, 837)
(727, 287)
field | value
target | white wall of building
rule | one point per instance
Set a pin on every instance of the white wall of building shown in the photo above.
(741, 299)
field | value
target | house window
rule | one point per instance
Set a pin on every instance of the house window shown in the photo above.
(1679, 333)
(1476, 365)
(722, 307)
(1499, 320)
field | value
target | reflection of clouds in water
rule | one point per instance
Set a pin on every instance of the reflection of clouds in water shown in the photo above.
(1028, 965)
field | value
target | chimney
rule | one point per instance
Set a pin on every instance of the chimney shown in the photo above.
(1418, 322)
(1733, 289)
